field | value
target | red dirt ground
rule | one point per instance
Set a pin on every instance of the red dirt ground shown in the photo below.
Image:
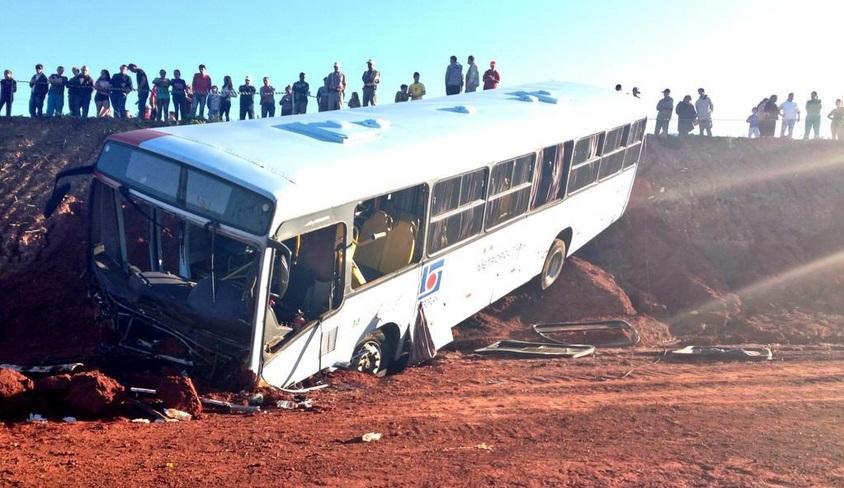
(725, 241)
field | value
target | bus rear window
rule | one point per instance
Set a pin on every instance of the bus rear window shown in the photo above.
(187, 188)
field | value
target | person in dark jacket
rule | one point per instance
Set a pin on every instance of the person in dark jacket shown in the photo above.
(772, 114)
(179, 94)
(121, 86)
(8, 87)
(86, 89)
(247, 99)
(55, 94)
(301, 92)
(73, 92)
(322, 96)
(686, 116)
(664, 111)
(813, 116)
(38, 85)
(287, 101)
(402, 95)
(143, 88)
(354, 100)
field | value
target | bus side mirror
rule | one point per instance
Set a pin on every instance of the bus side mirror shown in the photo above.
(59, 192)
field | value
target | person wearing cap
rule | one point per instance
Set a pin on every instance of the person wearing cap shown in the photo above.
(143, 88)
(371, 78)
(55, 95)
(453, 77)
(705, 107)
(121, 86)
(201, 88)
(247, 99)
(686, 116)
(664, 111)
(179, 90)
(416, 89)
(491, 77)
(301, 92)
(473, 79)
(336, 88)
(38, 85)
(267, 97)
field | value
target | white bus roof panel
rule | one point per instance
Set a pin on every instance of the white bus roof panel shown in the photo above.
(316, 161)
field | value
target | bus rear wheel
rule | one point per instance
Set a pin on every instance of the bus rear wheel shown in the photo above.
(371, 355)
(553, 264)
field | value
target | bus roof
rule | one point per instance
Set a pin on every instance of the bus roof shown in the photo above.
(316, 161)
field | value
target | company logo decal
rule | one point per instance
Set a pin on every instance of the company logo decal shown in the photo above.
(432, 275)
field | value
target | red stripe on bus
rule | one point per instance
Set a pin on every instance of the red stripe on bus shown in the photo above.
(137, 137)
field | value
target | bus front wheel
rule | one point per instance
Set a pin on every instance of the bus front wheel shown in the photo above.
(553, 264)
(371, 355)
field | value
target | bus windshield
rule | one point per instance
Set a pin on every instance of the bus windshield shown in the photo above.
(184, 276)
(187, 188)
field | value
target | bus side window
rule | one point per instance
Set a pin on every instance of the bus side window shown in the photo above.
(586, 162)
(457, 209)
(549, 178)
(509, 193)
(314, 270)
(613, 152)
(388, 234)
(634, 143)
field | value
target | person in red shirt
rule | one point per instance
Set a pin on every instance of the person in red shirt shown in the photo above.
(201, 88)
(491, 77)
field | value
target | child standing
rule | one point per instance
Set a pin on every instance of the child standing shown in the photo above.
(753, 120)
(215, 101)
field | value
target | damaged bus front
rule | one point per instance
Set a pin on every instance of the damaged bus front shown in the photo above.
(175, 259)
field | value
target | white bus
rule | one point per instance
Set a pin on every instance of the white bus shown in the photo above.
(273, 249)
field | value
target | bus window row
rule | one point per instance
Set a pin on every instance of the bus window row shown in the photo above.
(389, 229)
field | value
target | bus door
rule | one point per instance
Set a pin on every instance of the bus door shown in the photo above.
(306, 286)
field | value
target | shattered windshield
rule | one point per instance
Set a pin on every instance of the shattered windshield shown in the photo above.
(184, 275)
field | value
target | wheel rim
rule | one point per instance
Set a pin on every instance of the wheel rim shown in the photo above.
(369, 357)
(555, 265)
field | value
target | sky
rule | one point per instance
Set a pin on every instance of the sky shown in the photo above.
(740, 51)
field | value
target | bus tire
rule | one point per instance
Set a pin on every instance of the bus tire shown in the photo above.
(553, 266)
(372, 355)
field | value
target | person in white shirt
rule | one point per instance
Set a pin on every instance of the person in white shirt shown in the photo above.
(790, 115)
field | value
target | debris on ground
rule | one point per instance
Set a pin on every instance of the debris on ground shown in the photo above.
(229, 407)
(537, 349)
(371, 437)
(176, 414)
(36, 418)
(599, 333)
(721, 353)
(44, 369)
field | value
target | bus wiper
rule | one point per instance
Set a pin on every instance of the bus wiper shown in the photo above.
(124, 191)
(212, 227)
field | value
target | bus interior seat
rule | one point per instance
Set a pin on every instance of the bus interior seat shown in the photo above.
(399, 246)
(368, 252)
(393, 250)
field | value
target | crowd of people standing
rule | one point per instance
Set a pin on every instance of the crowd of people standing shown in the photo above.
(191, 100)
(762, 121)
